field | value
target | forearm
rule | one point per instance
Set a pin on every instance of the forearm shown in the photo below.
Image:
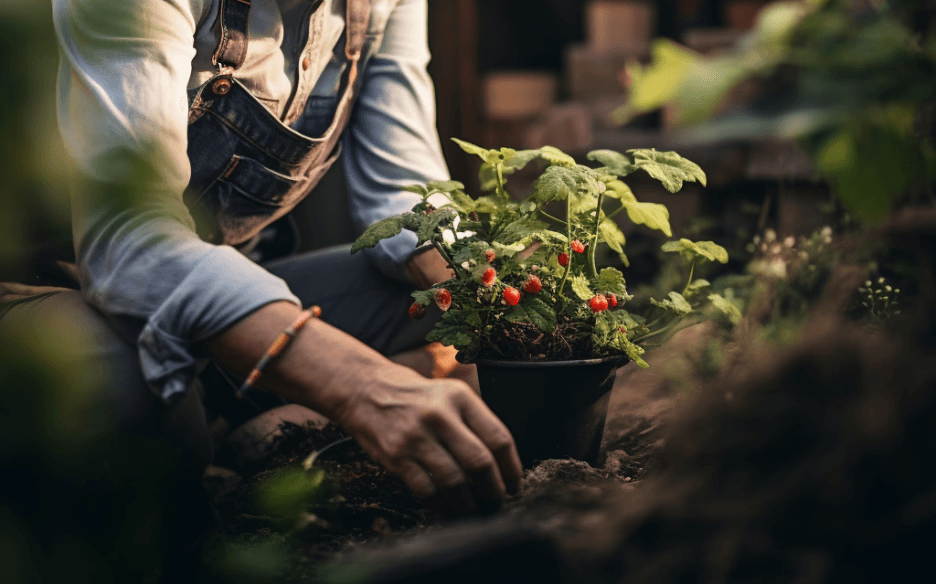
(322, 368)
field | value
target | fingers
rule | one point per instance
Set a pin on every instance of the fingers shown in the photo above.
(475, 458)
(496, 437)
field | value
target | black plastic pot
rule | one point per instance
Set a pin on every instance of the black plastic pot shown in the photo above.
(554, 409)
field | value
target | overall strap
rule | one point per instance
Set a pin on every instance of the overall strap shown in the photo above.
(358, 19)
(232, 46)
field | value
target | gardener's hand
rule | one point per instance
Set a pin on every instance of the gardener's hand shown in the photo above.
(438, 436)
(427, 267)
(435, 434)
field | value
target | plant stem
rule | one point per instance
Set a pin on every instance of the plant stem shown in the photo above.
(691, 271)
(550, 216)
(568, 244)
(593, 270)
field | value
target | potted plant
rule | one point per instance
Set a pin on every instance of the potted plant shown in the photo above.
(546, 327)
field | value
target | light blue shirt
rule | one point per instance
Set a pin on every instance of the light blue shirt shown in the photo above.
(122, 109)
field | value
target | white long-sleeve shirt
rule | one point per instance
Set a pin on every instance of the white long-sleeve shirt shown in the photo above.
(125, 71)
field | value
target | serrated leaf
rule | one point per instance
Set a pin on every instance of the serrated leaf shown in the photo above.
(581, 286)
(611, 280)
(669, 168)
(726, 307)
(445, 186)
(652, 215)
(557, 157)
(534, 311)
(690, 250)
(611, 234)
(557, 183)
(383, 229)
(471, 148)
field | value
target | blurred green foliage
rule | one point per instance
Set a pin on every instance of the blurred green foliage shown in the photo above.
(845, 78)
(33, 189)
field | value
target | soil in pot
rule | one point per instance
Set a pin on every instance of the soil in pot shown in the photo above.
(554, 409)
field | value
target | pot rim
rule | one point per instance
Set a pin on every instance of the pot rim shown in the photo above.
(570, 363)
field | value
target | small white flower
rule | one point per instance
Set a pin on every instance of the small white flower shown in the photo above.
(776, 249)
(448, 236)
(789, 241)
(826, 232)
(770, 236)
(897, 291)
(456, 222)
(861, 290)
(464, 234)
(888, 288)
(803, 255)
(867, 283)
(756, 239)
(466, 265)
(880, 280)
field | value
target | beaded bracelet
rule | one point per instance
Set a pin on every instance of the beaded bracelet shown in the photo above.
(278, 346)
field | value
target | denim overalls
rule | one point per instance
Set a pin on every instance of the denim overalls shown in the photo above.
(248, 167)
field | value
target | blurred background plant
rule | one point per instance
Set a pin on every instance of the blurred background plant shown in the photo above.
(850, 80)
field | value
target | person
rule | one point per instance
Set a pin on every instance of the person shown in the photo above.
(196, 127)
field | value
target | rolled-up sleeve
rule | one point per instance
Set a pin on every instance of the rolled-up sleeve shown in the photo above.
(122, 110)
(392, 140)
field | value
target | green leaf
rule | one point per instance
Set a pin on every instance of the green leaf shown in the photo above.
(445, 186)
(429, 223)
(696, 286)
(517, 159)
(487, 205)
(520, 229)
(726, 307)
(533, 310)
(676, 304)
(450, 337)
(619, 164)
(653, 215)
(557, 183)
(659, 83)
(669, 168)
(383, 229)
(471, 148)
(581, 286)
(418, 189)
(474, 319)
(462, 202)
(619, 190)
(707, 250)
(557, 157)
(423, 297)
(612, 280)
(635, 353)
(611, 234)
